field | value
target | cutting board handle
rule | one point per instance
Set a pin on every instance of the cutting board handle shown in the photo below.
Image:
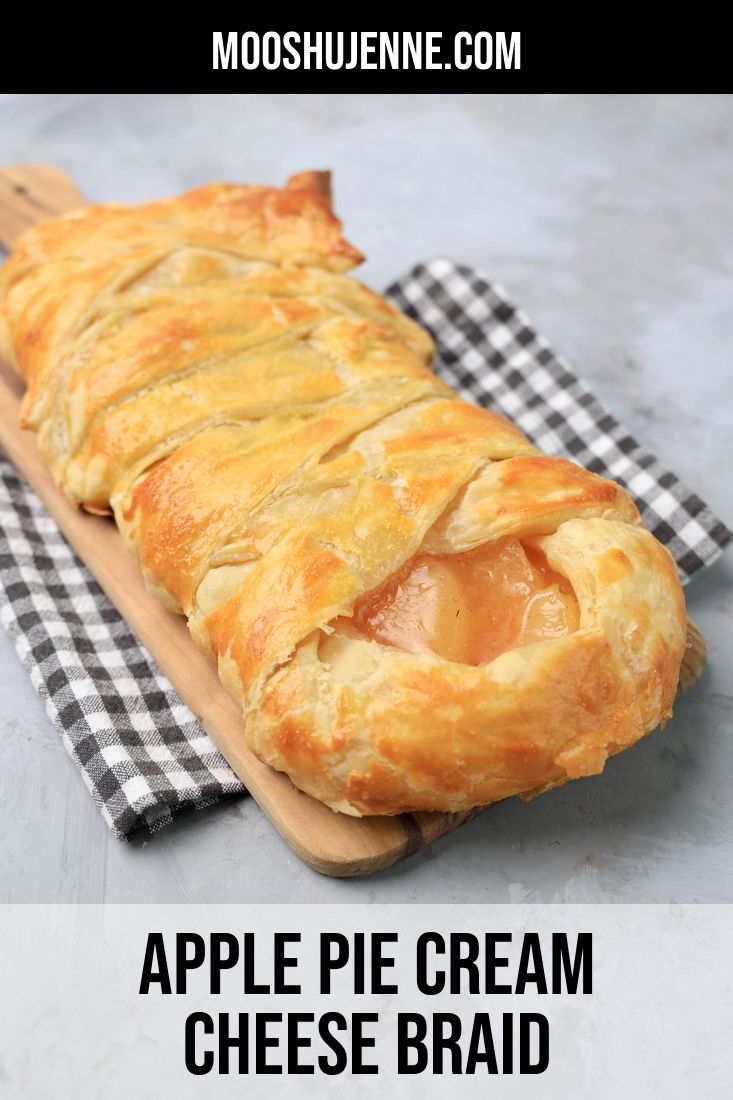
(29, 192)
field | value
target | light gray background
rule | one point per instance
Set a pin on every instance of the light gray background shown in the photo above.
(73, 1025)
(610, 220)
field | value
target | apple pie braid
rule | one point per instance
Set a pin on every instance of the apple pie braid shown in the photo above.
(416, 609)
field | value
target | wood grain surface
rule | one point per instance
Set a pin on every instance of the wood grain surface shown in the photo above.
(329, 842)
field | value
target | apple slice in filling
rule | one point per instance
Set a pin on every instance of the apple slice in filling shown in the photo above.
(470, 607)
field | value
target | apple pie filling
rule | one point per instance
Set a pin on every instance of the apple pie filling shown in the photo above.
(470, 607)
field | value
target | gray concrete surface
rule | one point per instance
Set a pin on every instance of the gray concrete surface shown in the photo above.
(610, 219)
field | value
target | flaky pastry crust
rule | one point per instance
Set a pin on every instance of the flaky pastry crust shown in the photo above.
(273, 444)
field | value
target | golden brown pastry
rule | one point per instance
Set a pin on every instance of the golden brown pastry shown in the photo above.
(416, 609)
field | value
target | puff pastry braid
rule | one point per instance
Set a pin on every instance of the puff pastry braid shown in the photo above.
(416, 609)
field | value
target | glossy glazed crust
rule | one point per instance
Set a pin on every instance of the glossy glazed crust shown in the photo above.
(273, 445)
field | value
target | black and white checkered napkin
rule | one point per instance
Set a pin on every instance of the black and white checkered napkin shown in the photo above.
(140, 750)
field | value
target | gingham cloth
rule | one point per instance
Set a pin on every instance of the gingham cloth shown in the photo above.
(142, 754)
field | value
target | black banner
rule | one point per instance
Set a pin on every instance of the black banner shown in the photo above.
(611, 53)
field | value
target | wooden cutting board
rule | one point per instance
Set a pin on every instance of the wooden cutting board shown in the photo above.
(329, 842)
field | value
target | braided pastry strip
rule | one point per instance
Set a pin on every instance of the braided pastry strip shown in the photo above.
(274, 448)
